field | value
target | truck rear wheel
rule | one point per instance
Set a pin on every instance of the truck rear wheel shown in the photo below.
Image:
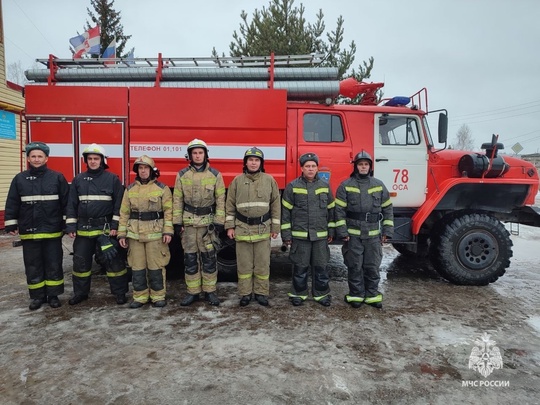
(473, 249)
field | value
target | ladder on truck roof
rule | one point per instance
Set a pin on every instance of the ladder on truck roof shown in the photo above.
(302, 76)
(314, 59)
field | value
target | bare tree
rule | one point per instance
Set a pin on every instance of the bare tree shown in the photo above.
(15, 73)
(464, 139)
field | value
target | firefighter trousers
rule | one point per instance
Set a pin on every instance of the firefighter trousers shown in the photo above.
(43, 267)
(304, 255)
(253, 263)
(83, 251)
(363, 258)
(199, 255)
(147, 261)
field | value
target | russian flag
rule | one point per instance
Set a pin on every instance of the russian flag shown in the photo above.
(88, 42)
(110, 52)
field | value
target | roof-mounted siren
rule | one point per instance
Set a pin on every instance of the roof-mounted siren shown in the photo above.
(351, 88)
(398, 101)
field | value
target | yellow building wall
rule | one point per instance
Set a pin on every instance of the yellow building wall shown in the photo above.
(10, 149)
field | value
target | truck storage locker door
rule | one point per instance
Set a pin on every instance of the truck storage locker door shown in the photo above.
(164, 120)
(59, 135)
(110, 136)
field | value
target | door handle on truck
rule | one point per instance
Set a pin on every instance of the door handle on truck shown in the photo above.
(381, 160)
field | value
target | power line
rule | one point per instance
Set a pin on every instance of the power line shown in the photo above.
(37, 29)
(511, 108)
(495, 119)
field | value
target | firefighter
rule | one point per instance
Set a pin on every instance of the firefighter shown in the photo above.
(199, 210)
(35, 209)
(93, 210)
(252, 218)
(146, 226)
(364, 219)
(307, 226)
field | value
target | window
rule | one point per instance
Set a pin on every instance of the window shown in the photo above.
(323, 128)
(398, 130)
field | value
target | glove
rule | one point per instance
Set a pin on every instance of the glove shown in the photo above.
(106, 249)
(218, 228)
(177, 229)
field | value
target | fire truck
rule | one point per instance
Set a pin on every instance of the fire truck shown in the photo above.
(448, 204)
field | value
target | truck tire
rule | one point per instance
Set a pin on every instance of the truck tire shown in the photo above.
(472, 249)
(226, 262)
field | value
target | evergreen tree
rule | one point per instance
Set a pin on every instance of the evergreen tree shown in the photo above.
(108, 19)
(282, 28)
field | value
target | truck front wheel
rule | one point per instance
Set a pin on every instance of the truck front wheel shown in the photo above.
(473, 249)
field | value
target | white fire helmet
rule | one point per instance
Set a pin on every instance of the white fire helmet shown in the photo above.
(95, 149)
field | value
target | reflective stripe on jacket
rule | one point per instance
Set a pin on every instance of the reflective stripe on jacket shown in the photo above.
(198, 189)
(94, 198)
(363, 195)
(36, 203)
(253, 196)
(307, 210)
(151, 197)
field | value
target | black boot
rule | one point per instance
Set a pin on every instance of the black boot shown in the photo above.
(212, 298)
(377, 305)
(245, 300)
(121, 299)
(297, 301)
(54, 302)
(326, 301)
(77, 299)
(262, 299)
(136, 304)
(189, 299)
(356, 303)
(37, 303)
(159, 304)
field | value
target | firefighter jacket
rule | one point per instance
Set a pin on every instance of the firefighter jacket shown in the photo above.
(307, 210)
(253, 207)
(199, 197)
(146, 212)
(362, 204)
(36, 204)
(94, 203)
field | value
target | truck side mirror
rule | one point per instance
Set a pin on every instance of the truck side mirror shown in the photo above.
(443, 127)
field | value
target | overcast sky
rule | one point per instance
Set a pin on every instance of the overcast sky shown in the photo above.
(479, 59)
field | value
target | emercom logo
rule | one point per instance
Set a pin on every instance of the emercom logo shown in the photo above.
(485, 356)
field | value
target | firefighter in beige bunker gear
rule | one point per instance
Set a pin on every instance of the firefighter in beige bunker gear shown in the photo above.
(364, 219)
(35, 209)
(307, 226)
(146, 229)
(199, 210)
(93, 209)
(253, 217)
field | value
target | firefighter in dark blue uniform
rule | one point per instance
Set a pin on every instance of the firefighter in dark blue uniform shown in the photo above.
(93, 210)
(35, 208)
(307, 225)
(364, 219)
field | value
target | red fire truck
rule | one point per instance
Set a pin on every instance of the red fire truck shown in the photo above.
(446, 202)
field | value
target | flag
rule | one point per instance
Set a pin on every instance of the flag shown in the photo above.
(131, 57)
(88, 42)
(110, 52)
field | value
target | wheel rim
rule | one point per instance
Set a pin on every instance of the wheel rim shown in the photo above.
(477, 250)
